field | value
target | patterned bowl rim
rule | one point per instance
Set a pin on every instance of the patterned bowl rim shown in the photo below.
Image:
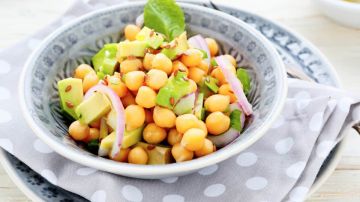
(141, 171)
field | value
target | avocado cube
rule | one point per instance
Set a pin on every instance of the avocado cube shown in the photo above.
(132, 48)
(132, 137)
(71, 95)
(185, 105)
(153, 39)
(158, 155)
(182, 46)
(105, 60)
(93, 108)
(106, 144)
(199, 110)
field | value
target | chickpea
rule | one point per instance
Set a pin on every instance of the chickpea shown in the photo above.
(129, 65)
(217, 123)
(204, 66)
(148, 61)
(193, 139)
(138, 156)
(96, 124)
(134, 117)
(163, 117)
(208, 148)
(128, 100)
(213, 46)
(193, 85)
(117, 86)
(82, 70)
(185, 122)
(217, 103)
(174, 137)
(122, 156)
(89, 81)
(201, 125)
(192, 57)
(94, 134)
(146, 97)
(226, 90)
(131, 31)
(232, 60)
(156, 79)
(217, 73)
(149, 116)
(134, 80)
(179, 66)
(153, 134)
(79, 131)
(163, 63)
(196, 74)
(181, 154)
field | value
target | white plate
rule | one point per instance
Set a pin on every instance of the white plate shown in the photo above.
(292, 47)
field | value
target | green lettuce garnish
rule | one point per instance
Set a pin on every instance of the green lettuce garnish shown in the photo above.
(235, 120)
(164, 16)
(244, 78)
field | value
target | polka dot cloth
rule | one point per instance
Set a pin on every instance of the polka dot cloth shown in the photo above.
(281, 166)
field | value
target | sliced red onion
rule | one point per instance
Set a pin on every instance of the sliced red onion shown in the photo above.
(199, 42)
(140, 20)
(119, 109)
(225, 138)
(235, 84)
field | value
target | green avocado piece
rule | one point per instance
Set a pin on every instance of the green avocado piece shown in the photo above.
(244, 78)
(132, 137)
(104, 129)
(153, 39)
(132, 48)
(71, 95)
(185, 105)
(176, 87)
(181, 47)
(93, 108)
(111, 119)
(158, 155)
(105, 60)
(199, 110)
(211, 83)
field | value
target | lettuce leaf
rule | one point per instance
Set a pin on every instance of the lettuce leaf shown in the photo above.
(235, 121)
(164, 16)
(244, 78)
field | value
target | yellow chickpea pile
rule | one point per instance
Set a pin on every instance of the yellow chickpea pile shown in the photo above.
(137, 83)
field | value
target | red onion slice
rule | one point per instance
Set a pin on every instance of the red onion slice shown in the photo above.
(235, 84)
(199, 42)
(119, 109)
(225, 138)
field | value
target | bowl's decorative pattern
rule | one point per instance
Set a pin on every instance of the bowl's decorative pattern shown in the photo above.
(37, 183)
(76, 44)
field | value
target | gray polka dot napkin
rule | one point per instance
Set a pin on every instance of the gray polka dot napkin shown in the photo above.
(279, 167)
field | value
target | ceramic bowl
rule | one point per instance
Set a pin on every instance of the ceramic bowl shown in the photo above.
(343, 12)
(75, 43)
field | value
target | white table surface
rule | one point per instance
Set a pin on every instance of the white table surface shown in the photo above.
(341, 45)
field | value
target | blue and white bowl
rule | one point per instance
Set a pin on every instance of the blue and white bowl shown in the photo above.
(75, 43)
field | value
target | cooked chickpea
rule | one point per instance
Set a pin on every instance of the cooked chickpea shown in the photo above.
(96, 124)
(192, 57)
(226, 90)
(90, 80)
(201, 125)
(122, 156)
(82, 70)
(163, 117)
(232, 60)
(138, 156)
(146, 97)
(196, 74)
(174, 137)
(94, 134)
(217, 103)
(185, 122)
(131, 31)
(79, 131)
(128, 100)
(149, 116)
(179, 66)
(217, 73)
(181, 154)
(148, 61)
(213, 46)
(134, 116)
(117, 86)
(208, 148)
(193, 85)
(134, 80)
(156, 79)
(204, 66)
(154, 134)
(163, 63)
(217, 123)
(129, 65)
(193, 139)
